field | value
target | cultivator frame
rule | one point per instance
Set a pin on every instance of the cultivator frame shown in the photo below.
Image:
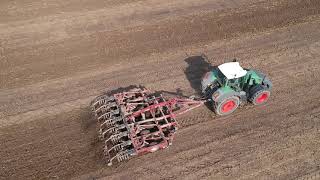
(138, 121)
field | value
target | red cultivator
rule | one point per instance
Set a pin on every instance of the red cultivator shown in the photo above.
(137, 122)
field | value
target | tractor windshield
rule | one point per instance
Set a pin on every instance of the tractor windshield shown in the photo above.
(221, 77)
(224, 81)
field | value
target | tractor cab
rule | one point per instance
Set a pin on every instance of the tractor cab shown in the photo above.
(232, 70)
(233, 75)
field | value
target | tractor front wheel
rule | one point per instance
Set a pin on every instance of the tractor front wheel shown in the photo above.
(259, 95)
(227, 106)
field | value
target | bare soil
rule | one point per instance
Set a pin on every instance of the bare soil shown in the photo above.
(56, 55)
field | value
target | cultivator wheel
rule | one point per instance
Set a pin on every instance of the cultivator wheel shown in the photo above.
(134, 122)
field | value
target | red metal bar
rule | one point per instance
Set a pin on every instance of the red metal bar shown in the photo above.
(188, 105)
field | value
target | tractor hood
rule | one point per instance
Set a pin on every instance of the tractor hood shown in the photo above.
(209, 78)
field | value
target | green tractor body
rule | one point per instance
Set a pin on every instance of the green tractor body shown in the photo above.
(229, 85)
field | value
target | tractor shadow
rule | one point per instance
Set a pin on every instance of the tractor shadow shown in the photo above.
(197, 67)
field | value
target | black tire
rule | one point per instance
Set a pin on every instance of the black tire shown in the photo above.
(227, 105)
(259, 94)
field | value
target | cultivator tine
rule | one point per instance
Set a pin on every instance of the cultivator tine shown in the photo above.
(119, 146)
(107, 123)
(110, 122)
(108, 115)
(123, 155)
(118, 152)
(115, 138)
(105, 108)
(111, 130)
(101, 100)
(120, 156)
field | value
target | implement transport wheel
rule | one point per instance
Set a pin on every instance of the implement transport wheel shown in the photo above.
(227, 106)
(259, 95)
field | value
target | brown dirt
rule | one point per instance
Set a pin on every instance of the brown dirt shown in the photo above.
(56, 55)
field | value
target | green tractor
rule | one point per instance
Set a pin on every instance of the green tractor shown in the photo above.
(229, 85)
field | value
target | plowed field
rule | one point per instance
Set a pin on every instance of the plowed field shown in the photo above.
(57, 55)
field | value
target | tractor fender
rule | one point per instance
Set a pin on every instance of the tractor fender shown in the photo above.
(223, 93)
(266, 82)
(207, 80)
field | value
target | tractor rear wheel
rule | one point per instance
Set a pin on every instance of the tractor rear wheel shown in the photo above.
(227, 106)
(259, 95)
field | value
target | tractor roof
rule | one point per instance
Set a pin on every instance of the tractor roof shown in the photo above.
(232, 70)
